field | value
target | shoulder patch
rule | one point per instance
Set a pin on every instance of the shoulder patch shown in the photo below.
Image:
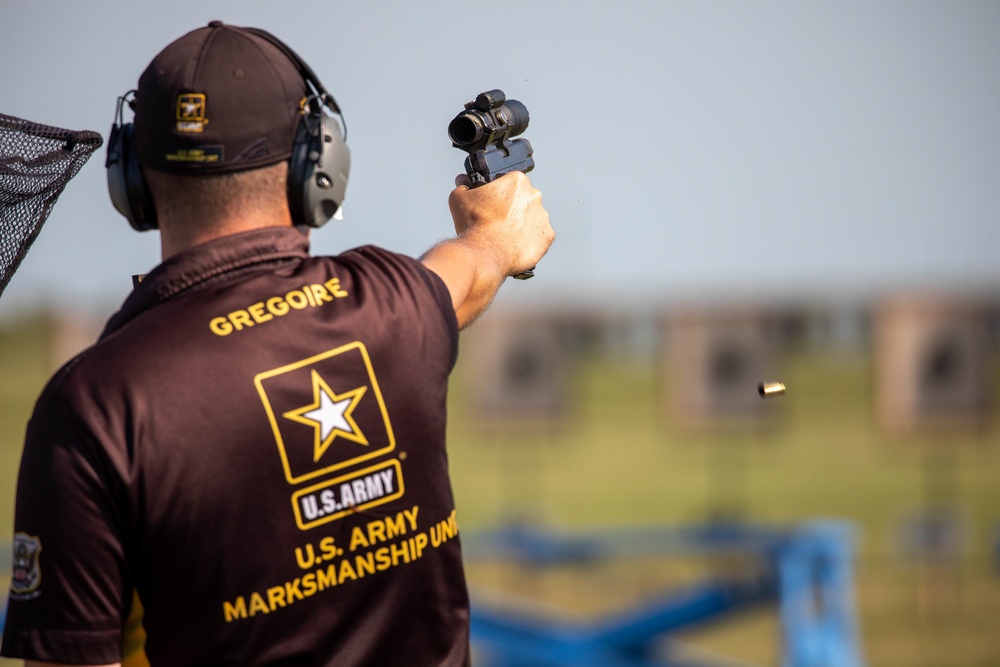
(26, 575)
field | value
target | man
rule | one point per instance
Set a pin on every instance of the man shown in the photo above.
(253, 454)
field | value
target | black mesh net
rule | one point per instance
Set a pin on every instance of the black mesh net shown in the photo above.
(36, 163)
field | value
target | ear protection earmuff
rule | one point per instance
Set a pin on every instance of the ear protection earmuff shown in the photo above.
(318, 170)
(126, 185)
(321, 161)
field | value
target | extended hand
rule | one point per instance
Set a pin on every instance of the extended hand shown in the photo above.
(503, 230)
(507, 215)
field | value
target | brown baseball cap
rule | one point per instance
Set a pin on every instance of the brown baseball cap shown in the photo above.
(219, 99)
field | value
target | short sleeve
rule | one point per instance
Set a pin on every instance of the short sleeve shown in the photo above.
(69, 593)
(412, 283)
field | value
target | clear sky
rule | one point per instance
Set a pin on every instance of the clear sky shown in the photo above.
(682, 147)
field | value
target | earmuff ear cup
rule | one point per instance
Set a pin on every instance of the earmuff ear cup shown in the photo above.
(318, 171)
(126, 185)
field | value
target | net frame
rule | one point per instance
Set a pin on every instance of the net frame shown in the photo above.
(36, 163)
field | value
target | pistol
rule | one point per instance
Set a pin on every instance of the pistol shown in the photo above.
(485, 130)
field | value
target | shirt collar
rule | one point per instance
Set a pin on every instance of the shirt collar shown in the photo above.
(212, 262)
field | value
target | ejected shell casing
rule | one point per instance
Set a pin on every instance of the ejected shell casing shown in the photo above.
(770, 389)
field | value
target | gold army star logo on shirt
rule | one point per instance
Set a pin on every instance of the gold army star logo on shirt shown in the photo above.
(326, 412)
(331, 415)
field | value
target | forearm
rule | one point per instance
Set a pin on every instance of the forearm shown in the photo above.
(502, 230)
(472, 273)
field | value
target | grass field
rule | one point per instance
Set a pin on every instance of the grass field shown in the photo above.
(617, 462)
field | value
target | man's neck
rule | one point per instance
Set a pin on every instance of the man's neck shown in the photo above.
(176, 238)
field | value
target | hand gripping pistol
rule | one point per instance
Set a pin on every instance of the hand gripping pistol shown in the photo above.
(485, 130)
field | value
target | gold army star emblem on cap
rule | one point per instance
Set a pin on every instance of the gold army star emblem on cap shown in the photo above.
(191, 112)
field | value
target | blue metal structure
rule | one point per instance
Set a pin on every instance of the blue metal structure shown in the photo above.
(806, 571)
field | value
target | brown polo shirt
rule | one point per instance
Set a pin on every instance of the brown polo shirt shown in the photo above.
(256, 446)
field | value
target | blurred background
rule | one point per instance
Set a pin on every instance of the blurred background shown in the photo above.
(743, 192)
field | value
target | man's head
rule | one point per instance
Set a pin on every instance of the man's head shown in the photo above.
(218, 100)
(224, 100)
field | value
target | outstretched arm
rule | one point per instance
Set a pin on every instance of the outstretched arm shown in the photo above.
(502, 230)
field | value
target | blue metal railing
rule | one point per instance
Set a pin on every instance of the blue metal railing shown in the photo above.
(806, 571)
